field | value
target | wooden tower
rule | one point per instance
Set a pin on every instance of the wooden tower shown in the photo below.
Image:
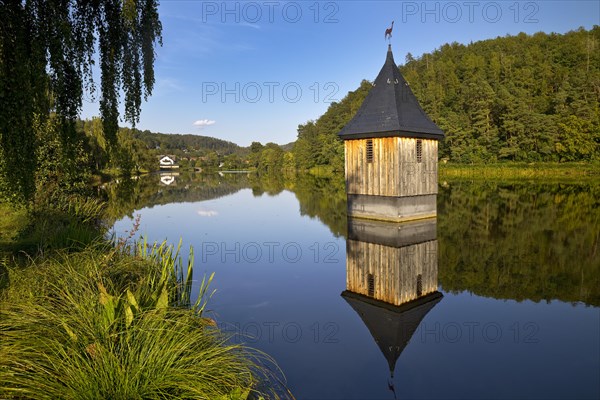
(391, 149)
(391, 263)
(391, 279)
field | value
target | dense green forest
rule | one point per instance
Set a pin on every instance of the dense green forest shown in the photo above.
(515, 98)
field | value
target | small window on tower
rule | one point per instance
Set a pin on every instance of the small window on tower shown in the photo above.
(419, 285)
(369, 150)
(371, 285)
(419, 150)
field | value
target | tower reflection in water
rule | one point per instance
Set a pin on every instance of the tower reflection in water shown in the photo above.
(391, 279)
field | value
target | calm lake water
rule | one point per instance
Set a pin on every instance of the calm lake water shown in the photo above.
(506, 281)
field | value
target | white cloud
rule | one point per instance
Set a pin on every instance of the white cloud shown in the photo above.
(249, 25)
(201, 123)
(207, 213)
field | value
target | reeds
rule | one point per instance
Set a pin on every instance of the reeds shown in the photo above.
(117, 323)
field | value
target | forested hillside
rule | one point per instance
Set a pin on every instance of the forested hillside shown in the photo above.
(522, 98)
(173, 142)
(136, 150)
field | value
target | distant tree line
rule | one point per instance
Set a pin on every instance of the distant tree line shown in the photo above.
(518, 98)
(138, 151)
(270, 158)
(178, 142)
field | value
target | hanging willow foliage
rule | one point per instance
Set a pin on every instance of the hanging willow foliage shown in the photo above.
(47, 53)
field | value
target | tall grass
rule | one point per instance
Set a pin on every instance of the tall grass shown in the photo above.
(521, 170)
(110, 323)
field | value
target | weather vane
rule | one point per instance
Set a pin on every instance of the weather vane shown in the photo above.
(388, 31)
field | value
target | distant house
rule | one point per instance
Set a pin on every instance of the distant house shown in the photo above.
(167, 179)
(167, 162)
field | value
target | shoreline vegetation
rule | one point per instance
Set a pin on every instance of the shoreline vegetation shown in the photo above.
(503, 170)
(82, 316)
(520, 170)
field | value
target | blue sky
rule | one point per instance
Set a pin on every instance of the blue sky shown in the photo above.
(248, 71)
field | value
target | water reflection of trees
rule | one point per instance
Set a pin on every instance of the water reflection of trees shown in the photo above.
(126, 196)
(512, 241)
(324, 199)
(521, 241)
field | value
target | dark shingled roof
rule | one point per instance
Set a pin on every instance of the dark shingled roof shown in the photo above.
(390, 109)
(391, 326)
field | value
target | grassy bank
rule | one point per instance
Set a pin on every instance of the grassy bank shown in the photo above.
(520, 170)
(87, 319)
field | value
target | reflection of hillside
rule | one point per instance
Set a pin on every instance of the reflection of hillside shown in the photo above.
(509, 241)
(521, 241)
(271, 184)
(323, 198)
(129, 195)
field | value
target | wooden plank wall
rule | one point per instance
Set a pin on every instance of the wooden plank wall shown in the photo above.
(394, 170)
(417, 178)
(374, 178)
(394, 269)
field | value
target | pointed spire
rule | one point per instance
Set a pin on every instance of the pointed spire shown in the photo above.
(391, 109)
(391, 326)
